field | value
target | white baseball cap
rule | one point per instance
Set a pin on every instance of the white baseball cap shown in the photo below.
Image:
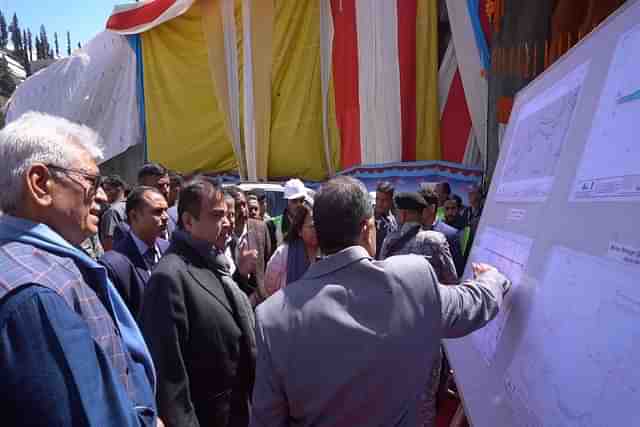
(294, 189)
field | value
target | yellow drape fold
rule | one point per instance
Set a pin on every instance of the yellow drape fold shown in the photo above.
(261, 32)
(186, 128)
(427, 110)
(297, 147)
(214, 32)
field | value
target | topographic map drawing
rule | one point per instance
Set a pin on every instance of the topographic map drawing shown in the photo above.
(577, 364)
(540, 139)
(509, 253)
(539, 135)
(610, 166)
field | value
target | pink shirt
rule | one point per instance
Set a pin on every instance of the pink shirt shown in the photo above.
(275, 277)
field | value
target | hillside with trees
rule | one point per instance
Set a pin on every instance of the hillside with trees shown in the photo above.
(23, 51)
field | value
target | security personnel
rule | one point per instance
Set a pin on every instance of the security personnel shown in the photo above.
(412, 239)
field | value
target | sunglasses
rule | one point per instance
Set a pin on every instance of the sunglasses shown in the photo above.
(95, 180)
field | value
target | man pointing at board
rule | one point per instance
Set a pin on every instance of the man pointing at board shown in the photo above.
(352, 342)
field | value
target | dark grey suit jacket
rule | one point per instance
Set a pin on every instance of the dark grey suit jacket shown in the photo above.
(199, 328)
(353, 341)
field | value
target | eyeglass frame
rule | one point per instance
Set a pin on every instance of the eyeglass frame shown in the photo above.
(95, 180)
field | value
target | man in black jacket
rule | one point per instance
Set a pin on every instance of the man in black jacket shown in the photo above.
(197, 322)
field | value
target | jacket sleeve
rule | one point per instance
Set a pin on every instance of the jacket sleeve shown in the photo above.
(270, 408)
(443, 264)
(164, 324)
(120, 280)
(53, 372)
(471, 305)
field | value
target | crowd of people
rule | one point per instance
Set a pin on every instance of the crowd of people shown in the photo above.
(182, 302)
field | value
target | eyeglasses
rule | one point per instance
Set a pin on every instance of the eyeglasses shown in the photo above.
(95, 180)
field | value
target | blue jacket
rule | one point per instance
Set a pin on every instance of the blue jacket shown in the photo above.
(63, 360)
(128, 271)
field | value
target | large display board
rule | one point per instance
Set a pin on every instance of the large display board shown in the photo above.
(561, 220)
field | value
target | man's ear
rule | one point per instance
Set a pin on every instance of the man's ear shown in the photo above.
(39, 184)
(187, 221)
(368, 236)
(132, 216)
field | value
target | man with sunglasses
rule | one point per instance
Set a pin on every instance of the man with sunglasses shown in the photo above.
(70, 351)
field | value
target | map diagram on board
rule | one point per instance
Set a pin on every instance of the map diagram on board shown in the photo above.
(540, 133)
(610, 166)
(540, 138)
(578, 362)
(508, 252)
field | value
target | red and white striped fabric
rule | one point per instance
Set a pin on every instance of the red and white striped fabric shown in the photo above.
(374, 70)
(139, 17)
(456, 129)
(380, 56)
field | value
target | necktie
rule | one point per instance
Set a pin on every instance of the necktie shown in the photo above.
(150, 257)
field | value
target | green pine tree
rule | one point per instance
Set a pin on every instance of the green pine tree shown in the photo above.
(68, 43)
(44, 40)
(16, 36)
(4, 32)
(55, 42)
(38, 48)
(7, 83)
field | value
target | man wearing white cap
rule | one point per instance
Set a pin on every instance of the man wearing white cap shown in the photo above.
(295, 193)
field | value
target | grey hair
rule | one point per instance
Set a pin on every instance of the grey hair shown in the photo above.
(40, 138)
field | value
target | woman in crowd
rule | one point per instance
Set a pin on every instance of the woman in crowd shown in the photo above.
(293, 257)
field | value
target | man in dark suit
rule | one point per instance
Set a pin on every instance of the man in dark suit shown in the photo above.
(430, 221)
(197, 322)
(386, 222)
(157, 176)
(133, 257)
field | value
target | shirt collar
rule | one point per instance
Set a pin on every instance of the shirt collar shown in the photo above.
(337, 261)
(142, 246)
